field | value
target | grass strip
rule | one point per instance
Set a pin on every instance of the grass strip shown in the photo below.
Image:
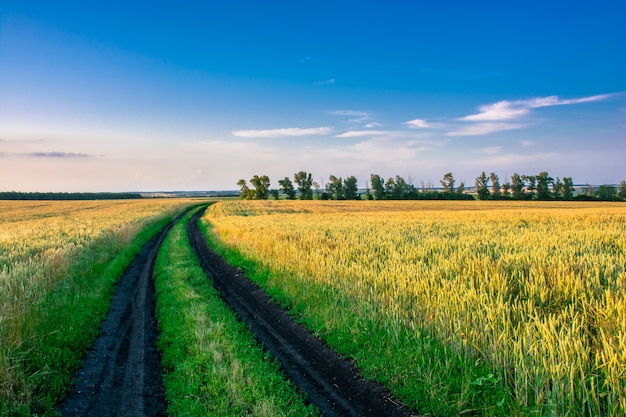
(65, 322)
(212, 364)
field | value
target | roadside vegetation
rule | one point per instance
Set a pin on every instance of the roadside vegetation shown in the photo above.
(59, 262)
(212, 363)
(481, 308)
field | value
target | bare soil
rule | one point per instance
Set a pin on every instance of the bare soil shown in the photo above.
(122, 374)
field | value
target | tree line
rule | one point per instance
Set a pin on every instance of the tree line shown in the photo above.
(487, 187)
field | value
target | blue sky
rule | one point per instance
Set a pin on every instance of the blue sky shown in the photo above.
(112, 96)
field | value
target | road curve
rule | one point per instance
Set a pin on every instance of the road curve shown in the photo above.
(331, 382)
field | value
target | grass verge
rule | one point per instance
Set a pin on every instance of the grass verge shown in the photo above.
(212, 364)
(63, 324)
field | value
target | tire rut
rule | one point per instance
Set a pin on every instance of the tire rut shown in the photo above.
(121, 374)
(332, 383)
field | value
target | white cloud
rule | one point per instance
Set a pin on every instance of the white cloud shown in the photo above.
(484, 128)
(326, 82)
(350, 113)
(507, 110)
(361, 133)
(493, 150)
(289, 131)
(373, 124)
(418, 124)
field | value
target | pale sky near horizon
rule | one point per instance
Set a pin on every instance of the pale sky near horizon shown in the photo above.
(163, 95)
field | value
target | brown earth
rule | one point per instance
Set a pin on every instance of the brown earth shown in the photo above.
(121, 375)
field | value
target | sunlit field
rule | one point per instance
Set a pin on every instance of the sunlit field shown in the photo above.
(56, 276)
(486, 308)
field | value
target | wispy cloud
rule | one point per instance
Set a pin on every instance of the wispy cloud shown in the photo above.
(326, 82)
(422, 124)
(484, 129)
(361, 133)
(507, 110)
(57, 155)
(356, 116)
(284, 132)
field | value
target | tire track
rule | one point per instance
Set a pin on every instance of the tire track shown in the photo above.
(331, 382)
(121, 374)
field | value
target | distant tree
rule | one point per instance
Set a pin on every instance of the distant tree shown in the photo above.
(568, 188)
(495, 186)
(350, 188)
(531, 184)
(334, 188)
(622, 190)
(544, 183)
(461, 188)
(606, 193)
(316, 187)
(244, 190)
(378, 186)
(557, 189)
(304, 181)
(397, 188)
(447, 183)
(517, 186)
(287, 187)
(482, 186)
(275, 193)
(261, 186)
(506, 190)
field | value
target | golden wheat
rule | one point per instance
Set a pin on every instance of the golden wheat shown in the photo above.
(536, 290)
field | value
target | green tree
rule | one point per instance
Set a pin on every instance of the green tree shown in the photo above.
(378, 186)
(350, 188)
(606, 193)
(288, 189)
(568, 188)
(261, 186)
(482, 186)
(244, 190)
(275, 193)
(517, 186)
(461, 188)
(557, 189)
(304, 181)
(447, 183)
(544, 183)
(495, 186)
(335, 188)
(622, 190)
(506, 190)
(531, 184)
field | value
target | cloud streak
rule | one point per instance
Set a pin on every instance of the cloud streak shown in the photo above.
(508, 110)
(478, 129)
(284, 132)
(57, 155)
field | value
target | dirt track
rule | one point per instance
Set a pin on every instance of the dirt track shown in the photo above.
(121, 375)
(332, 383)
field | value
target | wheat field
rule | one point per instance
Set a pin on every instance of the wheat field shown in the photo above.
(54, 257)
(535, 293)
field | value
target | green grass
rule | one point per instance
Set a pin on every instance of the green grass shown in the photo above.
(64, 323)
(212, 364)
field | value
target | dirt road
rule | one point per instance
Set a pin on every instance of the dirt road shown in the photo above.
(121, 375)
